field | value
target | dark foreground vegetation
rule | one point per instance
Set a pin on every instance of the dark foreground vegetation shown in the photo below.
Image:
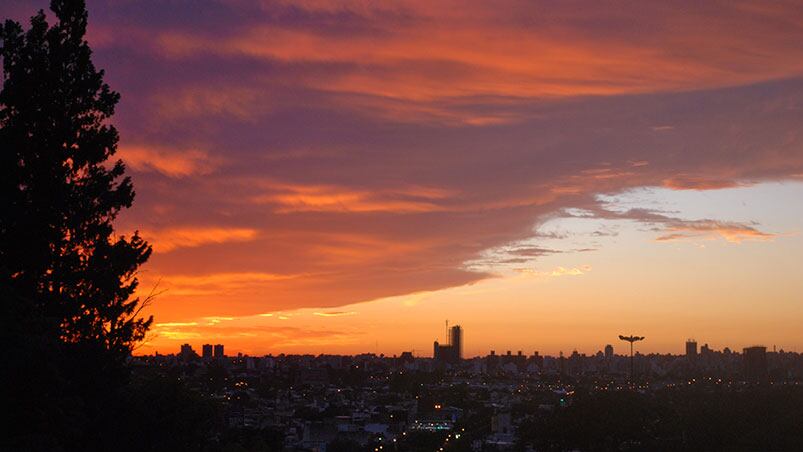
(696, 418)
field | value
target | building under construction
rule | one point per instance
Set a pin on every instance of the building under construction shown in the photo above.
(453, 351)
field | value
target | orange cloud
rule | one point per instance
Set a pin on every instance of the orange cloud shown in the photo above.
(437, 52)
(217, 283)
(321, 198)
(730, 231)
(174, 324)
(334, 313)
(688, 182)
(419, 62)
(170, 162)
(169, 239)
(239, 102)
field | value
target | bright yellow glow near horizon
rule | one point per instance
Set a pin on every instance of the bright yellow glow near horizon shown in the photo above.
(708, 288)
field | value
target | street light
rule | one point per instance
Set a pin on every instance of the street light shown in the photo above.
(631, 339)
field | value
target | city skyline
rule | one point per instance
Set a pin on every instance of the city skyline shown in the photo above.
(338, 178)
(452, 350)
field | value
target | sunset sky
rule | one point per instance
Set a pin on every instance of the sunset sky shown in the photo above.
(343, 177)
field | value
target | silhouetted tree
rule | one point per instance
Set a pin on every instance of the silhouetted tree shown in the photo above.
(60, 193)
(67, 316)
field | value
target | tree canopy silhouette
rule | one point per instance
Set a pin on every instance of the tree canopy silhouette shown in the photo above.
(68, 315)
(60, 193)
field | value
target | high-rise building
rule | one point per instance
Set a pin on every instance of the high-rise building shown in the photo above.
(187, 353)
(207, 351)
(608, 351)
(218, 351)
(456, 342)
(453, 351)
(691, 349)
(755, 363)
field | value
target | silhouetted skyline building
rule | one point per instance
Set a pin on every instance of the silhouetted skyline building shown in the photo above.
(218, 351)
(453, 351)
(206, 351)
(456, 341)
(755, 363)
(407, 357)
(187, 353)
(691, 349)
(608, 351)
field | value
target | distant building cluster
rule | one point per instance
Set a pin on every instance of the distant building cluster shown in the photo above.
(755, 363)
(208, 352)
(373, 400)
(751, 365)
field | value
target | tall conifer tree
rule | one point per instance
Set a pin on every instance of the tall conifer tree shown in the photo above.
(60, 190)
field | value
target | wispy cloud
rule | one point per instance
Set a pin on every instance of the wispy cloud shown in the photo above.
(218, 284)
(678, 228)
(692, 182)
(169, 239)
(170, 162)
(443, 40)
(320, 198)
(556, 272)
(334, 313)
(216, 320)
(730, 231)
